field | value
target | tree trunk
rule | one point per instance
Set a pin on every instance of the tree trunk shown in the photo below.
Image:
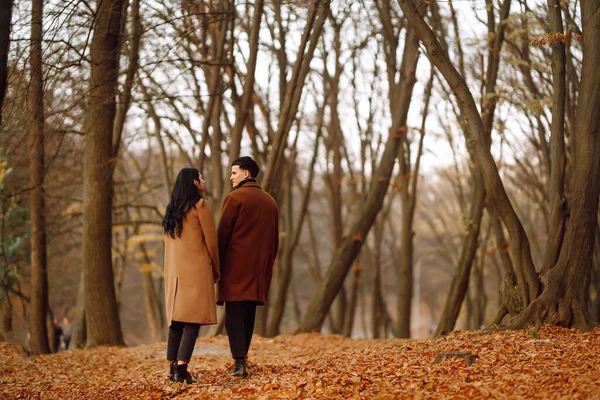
(566, 285)
(319, 11)
(478, 297)
(164, 165)
(564, 300)
(352, 243)
(284, 273)
(102, 315)
(5, 25)
(501, 243)
(351, 308)
(214, 80)
(52, 337)
(408, 198)
(155, 317)
(405, 268)
(242, 112)
(6, 310)
(39, 274)
(377, 312)
(293, 236)
(79, 334)
(557, 143)
(260, 326)
(460, 280)
(595, 311)
(134, 56)
(336, 177)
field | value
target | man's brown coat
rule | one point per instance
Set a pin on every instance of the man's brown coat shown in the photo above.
(248, 242)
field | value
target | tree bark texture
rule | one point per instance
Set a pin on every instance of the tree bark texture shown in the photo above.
(359, 229)
(39, 273)
(557, 142)
(101, 311)
(564, 300)
(5, 25)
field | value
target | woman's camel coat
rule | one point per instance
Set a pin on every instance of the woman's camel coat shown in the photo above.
(192, 268)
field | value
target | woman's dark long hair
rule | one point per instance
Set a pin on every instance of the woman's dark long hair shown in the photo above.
(184, 196)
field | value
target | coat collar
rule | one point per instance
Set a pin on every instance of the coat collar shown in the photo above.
(248, 183)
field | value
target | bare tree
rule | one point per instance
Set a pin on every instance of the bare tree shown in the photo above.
(359, 228)
(101, 311)
(39, 275)
(565, 293)
(460, 282)
(293, 231)
(243, 109)
(312, 31)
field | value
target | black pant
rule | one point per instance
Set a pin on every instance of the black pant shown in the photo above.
(239, 322)
(182, 338)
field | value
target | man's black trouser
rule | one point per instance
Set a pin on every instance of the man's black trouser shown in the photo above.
(182, 338)
(239, 322)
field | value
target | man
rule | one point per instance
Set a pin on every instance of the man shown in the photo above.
(248, 241)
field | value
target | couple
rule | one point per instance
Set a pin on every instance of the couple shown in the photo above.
(239, 255)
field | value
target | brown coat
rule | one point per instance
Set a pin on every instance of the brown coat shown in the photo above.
(191, 268)
(248, 242)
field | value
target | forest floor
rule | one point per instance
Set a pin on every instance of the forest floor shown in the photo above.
(555, 363)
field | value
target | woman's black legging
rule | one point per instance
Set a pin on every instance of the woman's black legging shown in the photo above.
(182, 338)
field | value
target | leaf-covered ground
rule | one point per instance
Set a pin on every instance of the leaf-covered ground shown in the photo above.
(558, 363)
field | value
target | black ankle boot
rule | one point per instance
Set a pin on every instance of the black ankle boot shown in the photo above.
(181, 374)
(239, 370)
(172, 366)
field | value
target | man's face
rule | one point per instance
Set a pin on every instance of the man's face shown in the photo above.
(238, 175)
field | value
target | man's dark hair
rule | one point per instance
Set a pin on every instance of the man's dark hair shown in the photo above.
(248, 164)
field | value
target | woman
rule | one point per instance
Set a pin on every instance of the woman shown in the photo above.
(191, 269)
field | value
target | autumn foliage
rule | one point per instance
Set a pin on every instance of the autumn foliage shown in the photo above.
(558, 37)
(553, 363)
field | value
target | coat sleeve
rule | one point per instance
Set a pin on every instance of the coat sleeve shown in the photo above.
(226, 224)
(276, 237)
(205, 216)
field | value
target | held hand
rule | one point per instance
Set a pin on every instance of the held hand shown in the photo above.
(217, 276)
